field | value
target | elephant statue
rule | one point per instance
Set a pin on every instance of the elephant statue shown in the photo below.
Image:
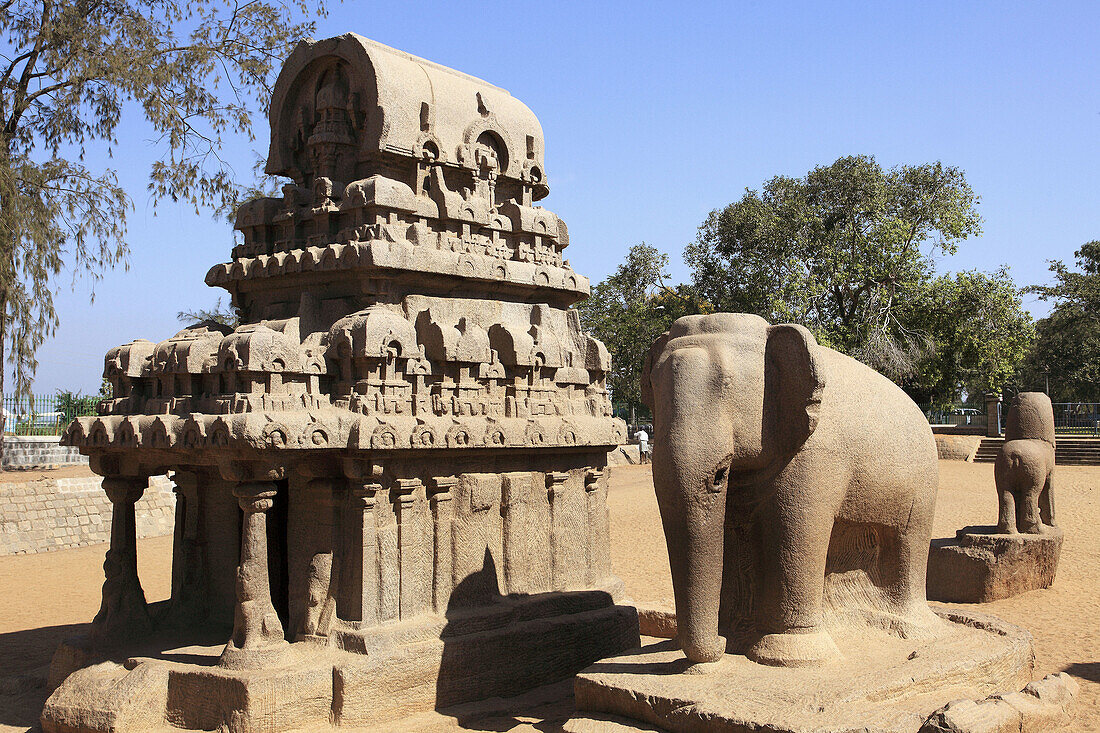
(1024, 470)
(796, 488)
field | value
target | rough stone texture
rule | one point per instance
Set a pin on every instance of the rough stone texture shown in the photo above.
(980, 565)
(1043, 705)
(797, 489)
(39, 452)
(1020, 553)
(957, 447)
(883, 684)
(659, 622)
(57, 514)
(398, 458)
(625, 455)
(1024, 470)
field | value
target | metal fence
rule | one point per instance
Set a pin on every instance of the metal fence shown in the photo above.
(1070, 418)
(956, 415)
(1077, 418)
(45, 414)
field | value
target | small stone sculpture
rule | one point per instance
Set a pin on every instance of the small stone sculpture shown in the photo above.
(801, 464)
(986, 563)
(1025, 468)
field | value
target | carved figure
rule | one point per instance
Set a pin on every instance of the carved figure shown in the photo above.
(1025, 467)
(796, 489)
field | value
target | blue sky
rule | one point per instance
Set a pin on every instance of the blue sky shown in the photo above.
(656, 113)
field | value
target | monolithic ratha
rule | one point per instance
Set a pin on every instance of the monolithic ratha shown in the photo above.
(391, 477)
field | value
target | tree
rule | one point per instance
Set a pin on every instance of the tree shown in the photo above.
(840, 250)
(1067, 350)
(197, 71)
(629, 310)
(978, 332)
(228, 316)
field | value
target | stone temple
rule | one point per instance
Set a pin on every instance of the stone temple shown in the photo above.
(391, 479)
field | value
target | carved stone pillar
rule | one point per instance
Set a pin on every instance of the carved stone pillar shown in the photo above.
(598, 559)
(188, 554)
(258, 639)
(442, 521)
(362, 586)
(123, 611)
(559, 528)
(413, 553)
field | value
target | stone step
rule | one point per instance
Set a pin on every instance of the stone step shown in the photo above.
(1069, 451)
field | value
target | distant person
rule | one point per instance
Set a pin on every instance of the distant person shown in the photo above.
(643, 445)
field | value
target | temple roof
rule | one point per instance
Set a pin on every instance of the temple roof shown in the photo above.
(396, 102)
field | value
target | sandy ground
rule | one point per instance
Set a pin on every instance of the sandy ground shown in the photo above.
(20, 477)
(46, 597)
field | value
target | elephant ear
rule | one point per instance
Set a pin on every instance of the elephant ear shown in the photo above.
(793, 384)
(647, 367)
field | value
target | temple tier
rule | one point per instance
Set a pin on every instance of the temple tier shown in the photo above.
(400, 455)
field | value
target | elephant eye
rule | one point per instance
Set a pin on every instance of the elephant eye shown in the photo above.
(719, 480)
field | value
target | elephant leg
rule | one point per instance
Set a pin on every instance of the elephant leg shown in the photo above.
(1046, 501)
(1006, 511)
(1027, 509)
(1004, 474)
(794, 587)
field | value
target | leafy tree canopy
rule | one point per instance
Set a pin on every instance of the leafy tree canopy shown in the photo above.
(197, 71)
(977, 331)
(1067, 349)
(629, 310)
(840, 250)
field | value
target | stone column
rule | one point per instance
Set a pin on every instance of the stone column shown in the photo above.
(123, 611)
(188, 557)
(556, 490)
(258, 639)
(362, 570)
(442, 513)
(415, 575)
(519, 539)
(598, 560)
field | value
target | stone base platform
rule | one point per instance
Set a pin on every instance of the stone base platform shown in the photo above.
(979, 565)
(883, 684)
(364, 679)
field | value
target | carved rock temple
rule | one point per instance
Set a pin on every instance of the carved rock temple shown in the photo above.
(391, 482)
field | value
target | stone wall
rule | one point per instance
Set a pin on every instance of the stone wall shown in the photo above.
(24, 452)
(957, 447)
(57, 514)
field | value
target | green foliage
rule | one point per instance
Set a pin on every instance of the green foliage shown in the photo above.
(72, 405)
(840, 250)
(227, 316)
(197, 70)
(629, 310)
(978, 334)
(1067, 350)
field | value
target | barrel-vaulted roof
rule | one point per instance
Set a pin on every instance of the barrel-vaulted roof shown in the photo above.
(402, 104)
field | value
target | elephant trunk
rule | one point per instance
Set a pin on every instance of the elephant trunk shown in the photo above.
(694, 531)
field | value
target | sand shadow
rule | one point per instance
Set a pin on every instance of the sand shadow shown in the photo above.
(516, 648)
(1085, 670)
(27, 654)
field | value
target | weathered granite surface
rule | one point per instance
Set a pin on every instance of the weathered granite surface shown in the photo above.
(391, 477)
(981, 565)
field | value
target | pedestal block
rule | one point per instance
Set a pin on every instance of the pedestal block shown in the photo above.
(978, 565)
(882, 683)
